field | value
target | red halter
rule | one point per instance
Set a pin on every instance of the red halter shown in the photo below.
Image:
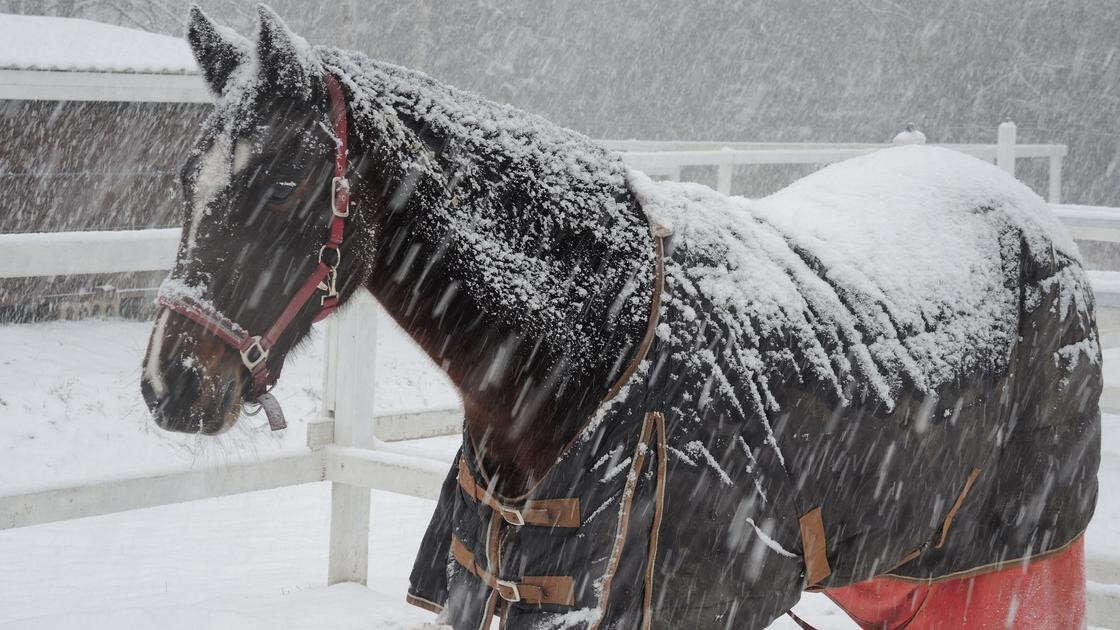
(254, 349)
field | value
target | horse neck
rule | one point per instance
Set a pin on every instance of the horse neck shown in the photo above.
(524, 395)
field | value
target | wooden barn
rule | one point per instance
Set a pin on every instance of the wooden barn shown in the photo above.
(95, 121)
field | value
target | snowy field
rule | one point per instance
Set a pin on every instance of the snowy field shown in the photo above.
(70, 410)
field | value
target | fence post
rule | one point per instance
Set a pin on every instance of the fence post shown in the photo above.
(724, 178)
(330, 368)
(353, 426)
(1005, 147)
(1055, 188)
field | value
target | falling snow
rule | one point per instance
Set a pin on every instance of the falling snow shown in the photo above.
(841, 280)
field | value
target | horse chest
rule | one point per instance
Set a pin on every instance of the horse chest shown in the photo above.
(583, 540)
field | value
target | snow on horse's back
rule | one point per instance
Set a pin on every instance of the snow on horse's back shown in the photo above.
(909, 255)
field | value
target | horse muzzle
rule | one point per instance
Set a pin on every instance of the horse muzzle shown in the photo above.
(189, 403)
(184, 392)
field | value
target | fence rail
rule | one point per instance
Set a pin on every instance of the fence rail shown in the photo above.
(73, 253)
(345, 447)
(666, 159)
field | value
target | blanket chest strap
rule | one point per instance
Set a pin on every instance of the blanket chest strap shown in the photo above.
(541, 512)
(531, 589)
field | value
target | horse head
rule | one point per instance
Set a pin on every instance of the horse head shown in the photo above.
(262, 214)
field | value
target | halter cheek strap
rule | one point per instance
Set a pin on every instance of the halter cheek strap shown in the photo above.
(254, 349)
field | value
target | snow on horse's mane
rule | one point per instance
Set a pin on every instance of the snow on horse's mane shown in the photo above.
(538, 216)
(577, 179)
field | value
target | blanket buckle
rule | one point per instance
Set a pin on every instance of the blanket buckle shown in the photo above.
(513, 516)
(514, 593)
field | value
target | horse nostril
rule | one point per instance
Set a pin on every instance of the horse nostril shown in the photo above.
(185, 387)
(229, 395)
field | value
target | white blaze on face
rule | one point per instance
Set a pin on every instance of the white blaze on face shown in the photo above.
(151, 364)
(213, 178)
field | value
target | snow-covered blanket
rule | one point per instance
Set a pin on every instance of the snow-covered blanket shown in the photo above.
(893, 270)
(882, 340)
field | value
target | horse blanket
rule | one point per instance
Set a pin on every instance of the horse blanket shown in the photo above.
(888, 368)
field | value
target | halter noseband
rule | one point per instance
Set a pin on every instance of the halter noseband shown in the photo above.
(254, 349)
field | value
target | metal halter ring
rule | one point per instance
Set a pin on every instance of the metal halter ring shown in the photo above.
(261, 353)
(340, 184)
(337, 254)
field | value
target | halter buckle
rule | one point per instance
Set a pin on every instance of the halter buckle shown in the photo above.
(340, 185)
(248, 357)
(513, 516)
(515, 594)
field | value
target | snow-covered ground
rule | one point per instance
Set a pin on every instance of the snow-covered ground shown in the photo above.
(70, 405)
(70, 410)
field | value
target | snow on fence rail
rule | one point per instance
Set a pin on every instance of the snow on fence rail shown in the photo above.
(666, 159)
(356, 454)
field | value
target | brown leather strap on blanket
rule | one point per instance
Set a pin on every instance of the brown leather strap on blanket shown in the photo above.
(543, 512)
(945, 525)
(659, 233)
(957, 506)
(531, 589)
(814, 547)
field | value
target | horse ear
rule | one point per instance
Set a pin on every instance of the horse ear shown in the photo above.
(217, 49)
(284, 56)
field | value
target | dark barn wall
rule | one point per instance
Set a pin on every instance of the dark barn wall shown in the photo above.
(100, 166)
(88, 166)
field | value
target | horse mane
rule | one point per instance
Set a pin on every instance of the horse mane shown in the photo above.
(538, 217)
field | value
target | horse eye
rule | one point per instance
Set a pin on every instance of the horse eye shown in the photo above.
(281, 190)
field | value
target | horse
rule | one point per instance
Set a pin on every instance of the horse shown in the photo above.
(681, 408)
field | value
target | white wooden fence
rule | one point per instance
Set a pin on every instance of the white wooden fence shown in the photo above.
(352, 450)
(348, 446)
(666, 159)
